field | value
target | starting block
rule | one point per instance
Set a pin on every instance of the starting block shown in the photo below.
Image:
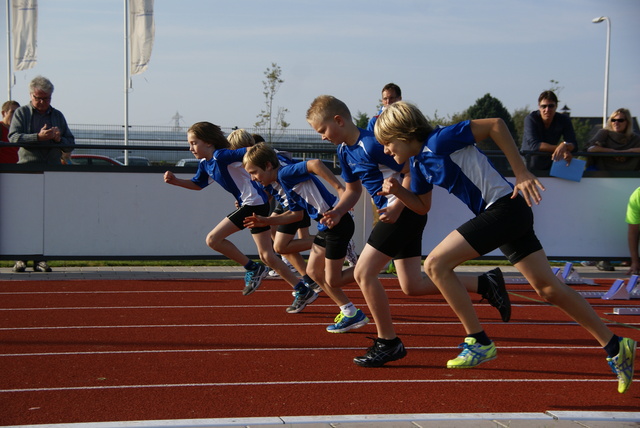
(626, 311)
(617, 291)
(568, 275)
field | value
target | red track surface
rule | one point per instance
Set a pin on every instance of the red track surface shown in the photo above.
(91, 351)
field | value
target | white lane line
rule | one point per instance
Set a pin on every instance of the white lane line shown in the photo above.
(304, 349)
(294, 383)
(75, 308)
(253, 325)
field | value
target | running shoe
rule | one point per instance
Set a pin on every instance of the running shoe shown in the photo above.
(314, 286)
(379, 354)
(273, 274)
(302, 299)
(497, 294)
(473, 354)
(20, 266)
(622, 364)
(289, 265)
(352, 256)
(253, 278)
(344, 323)
(41, 267)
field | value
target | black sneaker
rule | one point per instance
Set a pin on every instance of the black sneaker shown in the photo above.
(497, 294)
(302, 300)
(41, 267)
(379, 354)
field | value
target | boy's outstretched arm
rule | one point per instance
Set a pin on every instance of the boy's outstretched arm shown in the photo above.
(497, 130)
(317, 167)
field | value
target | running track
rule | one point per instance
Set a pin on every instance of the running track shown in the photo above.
(113, 350)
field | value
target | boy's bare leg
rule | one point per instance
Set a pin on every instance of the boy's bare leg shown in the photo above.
(535, 268)
(269, 257)
(439, 266)
(316, 269)
(370, 262)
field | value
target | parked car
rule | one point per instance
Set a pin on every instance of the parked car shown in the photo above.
(97, 160)
(135, 161)
(188, 162)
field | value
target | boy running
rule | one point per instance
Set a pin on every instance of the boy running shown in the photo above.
(306, 193)
(448, 157)
(397, 235)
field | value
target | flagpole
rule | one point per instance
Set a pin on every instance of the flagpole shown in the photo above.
(126, 80)
(8, 50)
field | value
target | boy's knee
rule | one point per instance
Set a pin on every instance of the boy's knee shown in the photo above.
(431, 266)
(280, 248)
(211, 241)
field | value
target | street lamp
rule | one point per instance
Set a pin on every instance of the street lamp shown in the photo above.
(606, 67)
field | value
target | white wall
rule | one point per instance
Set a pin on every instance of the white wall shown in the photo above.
(100, 214)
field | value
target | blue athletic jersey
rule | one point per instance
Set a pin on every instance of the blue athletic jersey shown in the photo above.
(303, 190)
(367, 162)
(278, 192)
(225, 168)
(450, 159)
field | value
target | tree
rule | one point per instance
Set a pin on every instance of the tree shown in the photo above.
(487, 107)
(518, 117)
(583, 130)
(555, 87)
(271, 124)
(436, 120)
(362, 120)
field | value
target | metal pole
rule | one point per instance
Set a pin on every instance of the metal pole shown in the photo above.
(9, 50)
(605, 112)
(126, 80)
(606, 68)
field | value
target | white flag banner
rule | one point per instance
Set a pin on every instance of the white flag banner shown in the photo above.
(24, 16)
(141, 34)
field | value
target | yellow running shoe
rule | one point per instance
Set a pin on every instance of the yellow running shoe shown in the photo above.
(472, 354)
(622, 364)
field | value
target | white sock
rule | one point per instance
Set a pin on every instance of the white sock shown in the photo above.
(348, 310)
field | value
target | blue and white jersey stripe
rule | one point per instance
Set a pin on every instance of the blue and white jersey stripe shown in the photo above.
(367, 162)
(225, 168)
(451, 159)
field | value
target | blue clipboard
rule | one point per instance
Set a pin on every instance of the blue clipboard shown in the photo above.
(571, 172)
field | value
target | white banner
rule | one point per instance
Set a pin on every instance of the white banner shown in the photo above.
(141, 33)
(24, 16)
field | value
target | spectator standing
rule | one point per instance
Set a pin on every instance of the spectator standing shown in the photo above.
(543, 130)
(616, 137)
(8, 154)
(39, 123)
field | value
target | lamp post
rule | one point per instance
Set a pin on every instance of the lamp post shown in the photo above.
(606, 67)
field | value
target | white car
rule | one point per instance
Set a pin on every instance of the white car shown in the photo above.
(188, 162)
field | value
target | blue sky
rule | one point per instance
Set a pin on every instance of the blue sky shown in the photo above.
(209, 56)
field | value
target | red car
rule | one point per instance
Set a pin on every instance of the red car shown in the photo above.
(96, 160)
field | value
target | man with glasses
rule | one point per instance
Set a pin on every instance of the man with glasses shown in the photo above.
(543, 130)
(38, 123)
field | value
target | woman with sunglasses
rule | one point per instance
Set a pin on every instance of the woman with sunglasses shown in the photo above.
(616, 137)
